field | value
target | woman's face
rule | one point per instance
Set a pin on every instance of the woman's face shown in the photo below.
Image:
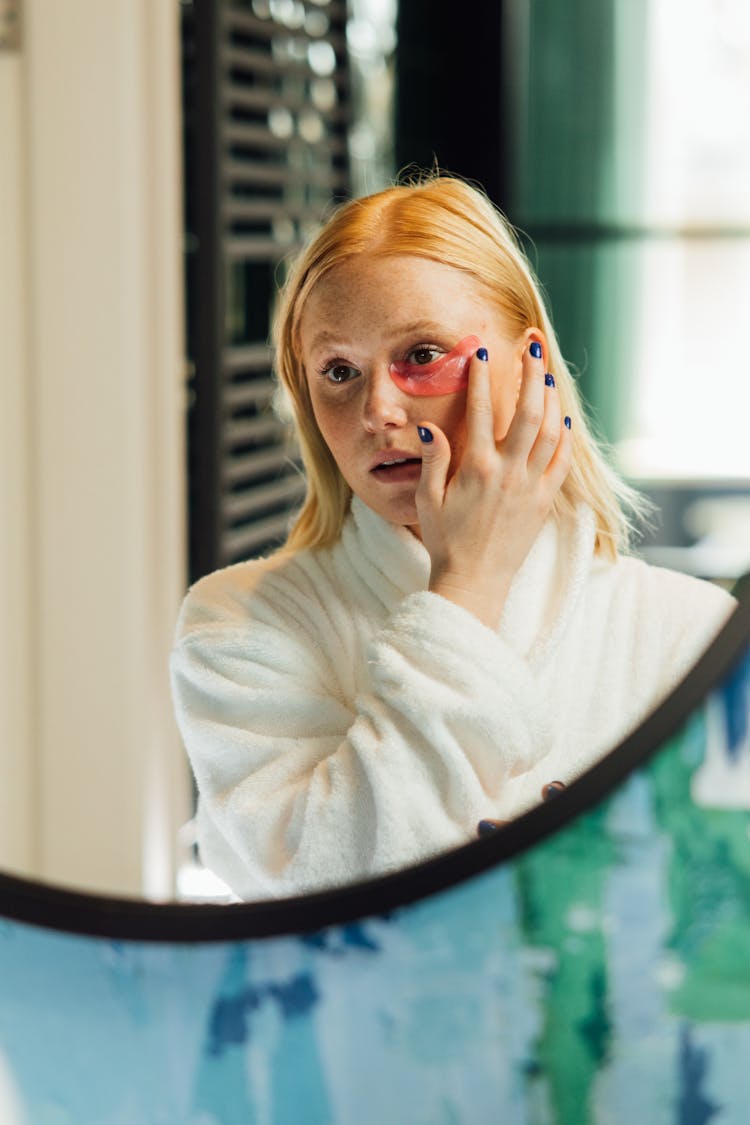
(371, 312)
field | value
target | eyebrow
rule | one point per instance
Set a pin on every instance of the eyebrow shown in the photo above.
(414, 327)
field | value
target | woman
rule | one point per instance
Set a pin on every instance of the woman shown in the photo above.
(452, 624)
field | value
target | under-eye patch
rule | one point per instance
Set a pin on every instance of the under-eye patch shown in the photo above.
(444, 376)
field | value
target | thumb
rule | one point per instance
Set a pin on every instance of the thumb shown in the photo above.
(436, 456)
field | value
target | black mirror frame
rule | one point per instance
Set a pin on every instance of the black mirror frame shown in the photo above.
(101, 916)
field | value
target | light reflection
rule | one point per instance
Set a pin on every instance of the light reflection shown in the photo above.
(362, 142)
(361, 38)
(323, 93)
(371, 39)
(316, 23)
(283, 231)
(310, 126)
(322, 58)
(280, 121)
(291, 13)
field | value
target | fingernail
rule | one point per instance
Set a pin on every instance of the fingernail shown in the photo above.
(536, 349)
(554, 789)
(482, 354)
(487, 827)
(567, 421)
(425, 435)
(549, 380)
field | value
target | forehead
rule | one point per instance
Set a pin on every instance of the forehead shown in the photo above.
(390, 291)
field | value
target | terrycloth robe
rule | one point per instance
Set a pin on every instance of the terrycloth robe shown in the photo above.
(342, 721)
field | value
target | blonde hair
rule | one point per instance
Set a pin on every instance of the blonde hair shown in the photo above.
(449, 221)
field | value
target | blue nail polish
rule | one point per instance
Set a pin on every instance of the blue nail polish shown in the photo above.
(425, 435)
(554, 789)
(482, 354)
(487, 827)
(567, 421)
(536, 349)
(549, 380)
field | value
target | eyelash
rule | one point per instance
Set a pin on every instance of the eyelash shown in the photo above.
(329, 367)
(435, 348)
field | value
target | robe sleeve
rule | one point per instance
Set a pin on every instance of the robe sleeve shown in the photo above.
(302, 785)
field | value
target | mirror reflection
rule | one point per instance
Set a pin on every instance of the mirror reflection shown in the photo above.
(418, 660)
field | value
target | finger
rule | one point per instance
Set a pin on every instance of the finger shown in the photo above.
(548, 437)
(559, 467)
(525, 423)
(488, 827)
(552, 789)
(436, 456)
(480, 421)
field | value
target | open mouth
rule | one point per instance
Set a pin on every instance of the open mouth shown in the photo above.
(400, 468)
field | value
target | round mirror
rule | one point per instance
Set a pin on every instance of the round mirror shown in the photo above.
(646, 260)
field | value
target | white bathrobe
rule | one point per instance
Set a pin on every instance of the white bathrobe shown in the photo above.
(342, 721)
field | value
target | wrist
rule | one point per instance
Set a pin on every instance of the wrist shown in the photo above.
(486, 604)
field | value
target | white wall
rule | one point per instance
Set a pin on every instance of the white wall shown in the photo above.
(16, 758)
(93, 517)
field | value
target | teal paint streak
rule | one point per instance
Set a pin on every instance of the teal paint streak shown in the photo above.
(709, 888)
(596, 1028)
(560, 881)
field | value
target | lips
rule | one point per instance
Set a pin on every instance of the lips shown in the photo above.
(399, 461)
(397, 466)
(388, 458)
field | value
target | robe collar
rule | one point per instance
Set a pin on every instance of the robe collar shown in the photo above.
(543, 596)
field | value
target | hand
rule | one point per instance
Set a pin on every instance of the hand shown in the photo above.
(489, 826)
(479, 525)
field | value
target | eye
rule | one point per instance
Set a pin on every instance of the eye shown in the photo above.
(424, 354)
(338, 373)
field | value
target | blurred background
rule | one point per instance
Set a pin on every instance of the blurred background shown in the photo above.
(160, 162)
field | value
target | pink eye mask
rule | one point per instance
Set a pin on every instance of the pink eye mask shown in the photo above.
(444, 376)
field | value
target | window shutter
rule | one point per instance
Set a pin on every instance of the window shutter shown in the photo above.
(266, 97)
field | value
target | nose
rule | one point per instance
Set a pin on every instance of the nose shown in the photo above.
(384, 405)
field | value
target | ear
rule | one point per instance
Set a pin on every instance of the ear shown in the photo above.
(525, 340)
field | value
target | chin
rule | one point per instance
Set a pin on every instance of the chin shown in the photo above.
(401, 514)
(407, 518)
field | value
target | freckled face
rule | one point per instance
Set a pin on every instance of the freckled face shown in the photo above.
(362, 317)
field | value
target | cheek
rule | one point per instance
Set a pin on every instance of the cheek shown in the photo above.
(336, 438)
(332, 426)
(506, 385)
(449, 413)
